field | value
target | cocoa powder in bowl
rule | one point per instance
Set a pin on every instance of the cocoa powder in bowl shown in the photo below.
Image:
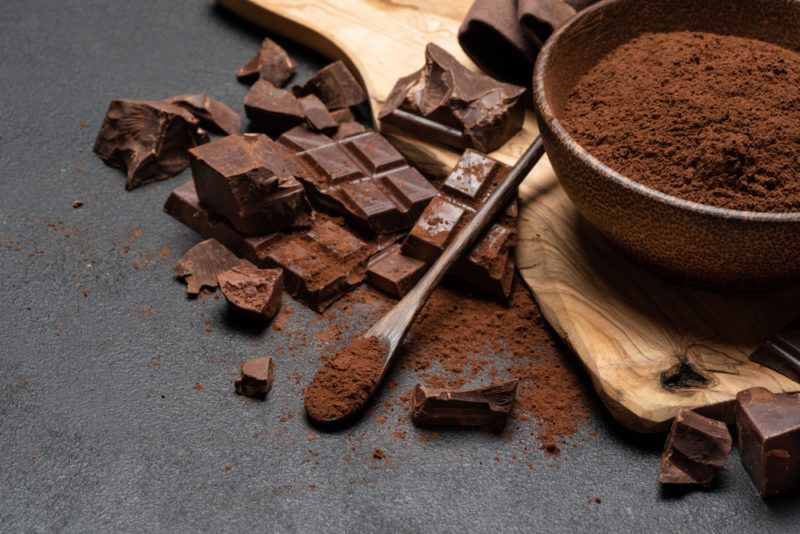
(714, 119)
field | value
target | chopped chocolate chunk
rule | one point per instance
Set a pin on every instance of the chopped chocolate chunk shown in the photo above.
(346, 129)
(77, 204)
(781, 352)
(272, 64)
(769, 439)
(362, 177)
(148, 139)
(343, 115)
(249, 180)
(697, 447)
(335, 85)
(490, 263)
(252, 291)
(446, 102)
(212, 114)
(486, 407)
(202, 263)
(272, 110)
(320, 264)
(394, 272)
(256, 378)
(317, 115)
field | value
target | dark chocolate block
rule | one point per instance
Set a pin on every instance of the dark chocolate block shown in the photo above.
(343, 115)
(697, 448)
(781, 352)
(362, 177)
(212, 114)
(202, 263)
(320, 264)
(486, 407)
(256, 377)
(448, 103)
(249, 180)
(148, 139)
(272, 110)
(346, 129)
(394, 272)
(252, 291)
(335, 85)
(317, 115)
(272, 64)
(490, 263)
(769, 439)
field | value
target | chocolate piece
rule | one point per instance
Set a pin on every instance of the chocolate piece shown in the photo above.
(317, 115)
(256, 377)
(697, 447)
(320, 264)
(212, 114)
(486, 407)
(362, 177)
(335, 85)
(394, 272)
(202, 263)
(769, 439)
(490, 263)
(249, 180)
(252, 291)
(272, 64)
(148, 139)
(343, 115)
(446, 102)
(346, 129)
(272, 110)
(781, 352)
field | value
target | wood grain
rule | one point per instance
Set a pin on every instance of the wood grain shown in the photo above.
(632, 330)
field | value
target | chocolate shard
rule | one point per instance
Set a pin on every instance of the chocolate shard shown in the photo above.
(697, 448)
(272, 110)
(249, 180)
(255, 380)
(343, 115)
(490, 263)
(346, 129)
(394, 272)
(781, 352)
(212, 114)
(485, 407)
(272, 64)
(317, 116)
(252, 291)
(202, 263)
(362, 177)
(769, 439)
(320, 263)
(448, 103)
(335, 85)
(148, 139)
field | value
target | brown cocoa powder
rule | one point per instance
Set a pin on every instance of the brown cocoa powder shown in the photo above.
(709, 118)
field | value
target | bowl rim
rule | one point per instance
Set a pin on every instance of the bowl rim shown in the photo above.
(546, 113)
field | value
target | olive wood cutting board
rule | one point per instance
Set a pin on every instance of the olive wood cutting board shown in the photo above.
(650, 346)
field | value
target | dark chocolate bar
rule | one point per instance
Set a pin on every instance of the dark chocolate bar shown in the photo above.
(252, 291)
(202, 263)
(362, 177)
(697, 448)
(781, 352)
(272, 64)
(769, 439)
(394, 272)
(256, 377)
(250, 180)
(212, 114)
(272, 110)
(335, 85)
(446, 102)
(486, 407)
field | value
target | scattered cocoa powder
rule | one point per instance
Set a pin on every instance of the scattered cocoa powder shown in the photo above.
(709, 118)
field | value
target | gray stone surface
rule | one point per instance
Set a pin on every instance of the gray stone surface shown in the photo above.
(101, 427)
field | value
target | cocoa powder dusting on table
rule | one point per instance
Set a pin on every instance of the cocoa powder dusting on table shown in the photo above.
(709, 118)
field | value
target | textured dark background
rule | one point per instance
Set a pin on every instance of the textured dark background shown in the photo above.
(101, 426)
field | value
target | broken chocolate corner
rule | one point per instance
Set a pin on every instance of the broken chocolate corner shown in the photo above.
(394, 272)
(769, 439)
(148, 139)
(272, 110)
(212, 114)
(446, 102)
(317, 116)
(485, 407)
(697, 448)
(272, 64)
(335, 85)
(781, 352)
(252, 291)
(202, 263)
(255, 380)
